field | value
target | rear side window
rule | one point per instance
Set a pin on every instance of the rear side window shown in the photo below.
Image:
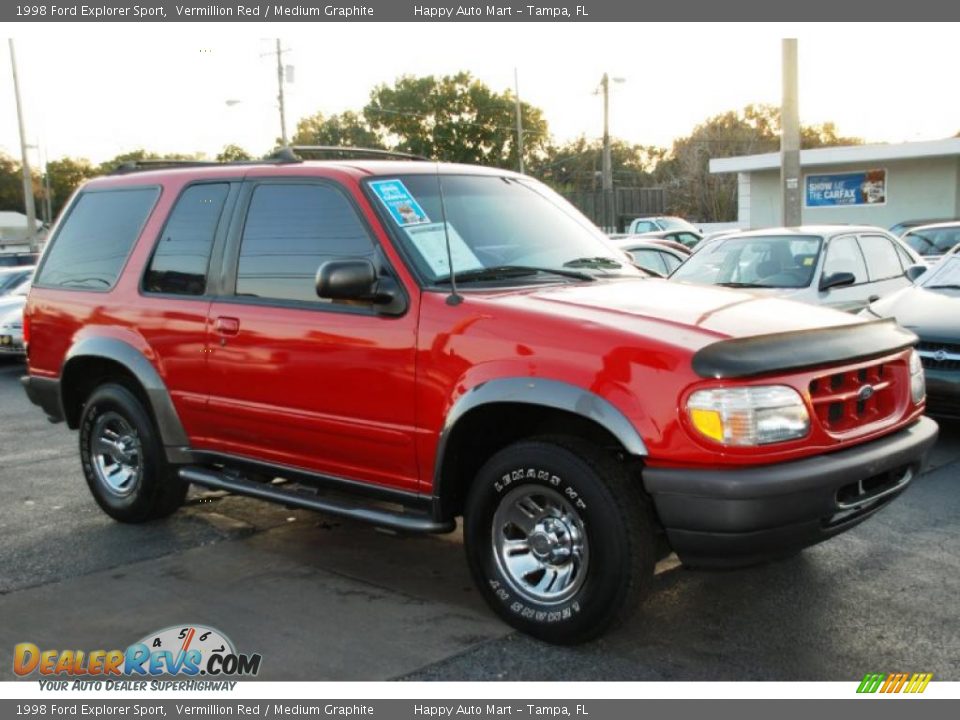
(180, 260)
(649, 260)
(95, 239)
(290, 230)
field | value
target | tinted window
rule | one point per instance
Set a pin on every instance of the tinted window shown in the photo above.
(650, 260)
(179, 263)
(290, 230)
(96, 237)
(786, 261)
(843, 255)
(882, 260)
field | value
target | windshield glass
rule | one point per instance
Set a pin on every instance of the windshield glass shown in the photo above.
(777, 261)
(675, 223)
(946, 273)
(933, 241)
(494, 222)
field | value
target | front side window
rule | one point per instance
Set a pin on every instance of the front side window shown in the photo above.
(764, 261)
(92, 245)
(844, 255)
(492, 223)
(290, 230)
(180, 260)
(883, 262)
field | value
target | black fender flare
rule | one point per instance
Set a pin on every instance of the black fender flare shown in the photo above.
(168, 421)
(545, 393)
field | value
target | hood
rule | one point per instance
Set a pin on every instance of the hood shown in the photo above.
(720, 312)
(931, 314)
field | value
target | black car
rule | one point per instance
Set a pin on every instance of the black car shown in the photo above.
(931, 309)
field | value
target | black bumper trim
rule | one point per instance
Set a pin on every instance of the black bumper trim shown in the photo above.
(45, 393)
(729, 517)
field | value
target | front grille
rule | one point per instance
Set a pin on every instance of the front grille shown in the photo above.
(846, 400)
(939, 356)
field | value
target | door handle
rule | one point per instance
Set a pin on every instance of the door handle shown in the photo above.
(873, 298)
(226, 325)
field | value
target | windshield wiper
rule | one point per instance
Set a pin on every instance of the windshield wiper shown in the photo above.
(948, 286)
(599, 262)
(500, 272)
(746, 285)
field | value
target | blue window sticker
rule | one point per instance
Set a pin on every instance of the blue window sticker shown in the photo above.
(401, 205)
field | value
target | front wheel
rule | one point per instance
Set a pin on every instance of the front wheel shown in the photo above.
(559, 539)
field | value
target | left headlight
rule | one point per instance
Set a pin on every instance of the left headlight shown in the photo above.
(918, 382)
(756, 415)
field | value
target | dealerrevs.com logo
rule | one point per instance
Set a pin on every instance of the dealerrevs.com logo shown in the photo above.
(889, 683)
(181, 650)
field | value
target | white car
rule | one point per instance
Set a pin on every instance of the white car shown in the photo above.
(11, 332)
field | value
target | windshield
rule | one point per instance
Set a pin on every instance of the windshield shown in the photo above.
(945, 274)
(675, 223)
(933, 241)
(495, 223)
(775, 261)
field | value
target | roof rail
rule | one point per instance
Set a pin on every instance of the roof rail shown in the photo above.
(345, 150)
(131, 166)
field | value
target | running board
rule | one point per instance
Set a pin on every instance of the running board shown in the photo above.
(405, 522)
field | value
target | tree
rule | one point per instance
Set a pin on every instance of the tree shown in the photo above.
(66, 175)
(576, 166)
(698, 194)
(455, 118)
(11, 184)
(347, 129)
(233, 153)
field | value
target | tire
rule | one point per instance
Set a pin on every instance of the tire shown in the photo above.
(559, 539)
(123, 458)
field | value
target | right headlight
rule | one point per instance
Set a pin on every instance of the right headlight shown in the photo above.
(756, 415)
(918, 382)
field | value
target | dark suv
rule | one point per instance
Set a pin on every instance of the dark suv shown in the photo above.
(228, 325)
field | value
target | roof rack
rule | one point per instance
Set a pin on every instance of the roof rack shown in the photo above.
(283, 155)
(345, 150)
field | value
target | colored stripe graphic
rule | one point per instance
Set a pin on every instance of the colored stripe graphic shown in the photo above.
(894, 683)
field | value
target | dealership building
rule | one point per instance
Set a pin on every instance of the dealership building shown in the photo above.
(870, 184)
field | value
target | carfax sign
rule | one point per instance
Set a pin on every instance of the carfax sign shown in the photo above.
(854, 188)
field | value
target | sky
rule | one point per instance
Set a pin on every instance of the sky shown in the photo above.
(96, 90)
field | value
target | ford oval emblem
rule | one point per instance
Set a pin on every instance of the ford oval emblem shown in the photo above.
(865, 393)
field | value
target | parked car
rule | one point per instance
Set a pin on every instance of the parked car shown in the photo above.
(217, 326)
(933, 241)
(931, 309)
(657, 256)
(841, 266)
(688, 238)
(11, 332)
(901, 227)
(656, 223)
(17, 259)
(12, 278)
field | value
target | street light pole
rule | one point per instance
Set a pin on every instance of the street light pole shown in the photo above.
(25, 162)
(516, 84)
(283, 112)
(607, 161)
(790, 190)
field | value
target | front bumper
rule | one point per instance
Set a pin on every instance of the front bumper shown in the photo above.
(728, 518)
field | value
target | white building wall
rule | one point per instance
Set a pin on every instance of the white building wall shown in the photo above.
(918, 188)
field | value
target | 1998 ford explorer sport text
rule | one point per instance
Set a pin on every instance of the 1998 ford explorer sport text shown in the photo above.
(228, 325)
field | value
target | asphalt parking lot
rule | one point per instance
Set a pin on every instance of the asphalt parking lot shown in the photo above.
(325, 599)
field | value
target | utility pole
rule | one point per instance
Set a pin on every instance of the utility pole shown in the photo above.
(283, 112)
(25, 162)
(607, 162)
(790, 199)
(516, 84)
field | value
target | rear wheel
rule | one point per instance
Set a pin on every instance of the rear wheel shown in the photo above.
(123, 458)
(559, 539)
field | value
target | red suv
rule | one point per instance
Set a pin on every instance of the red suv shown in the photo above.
(230, 325)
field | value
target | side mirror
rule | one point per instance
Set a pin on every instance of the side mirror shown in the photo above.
(350, 279)
(837, 279)
(915, 271)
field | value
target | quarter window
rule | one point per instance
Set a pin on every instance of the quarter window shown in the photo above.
(180, 260)
(95, 239)
(290, 230)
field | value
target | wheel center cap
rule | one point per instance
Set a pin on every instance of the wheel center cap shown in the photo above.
(551, 541)
(542, 544)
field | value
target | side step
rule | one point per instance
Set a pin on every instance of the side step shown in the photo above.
(405, 522)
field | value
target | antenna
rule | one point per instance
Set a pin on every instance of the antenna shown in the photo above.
(454, 298)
